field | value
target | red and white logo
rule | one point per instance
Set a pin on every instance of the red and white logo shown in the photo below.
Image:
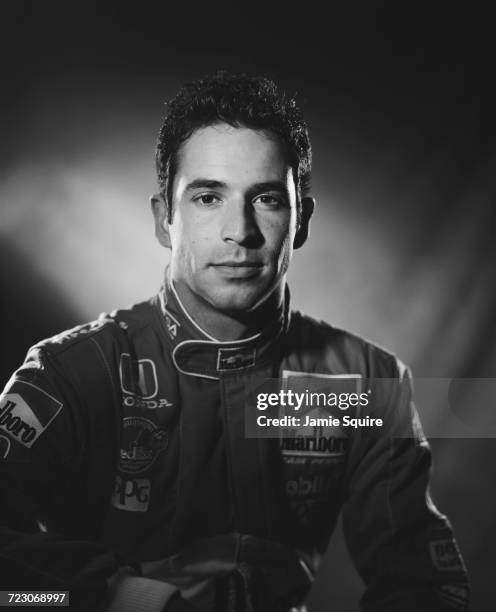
(19, 421)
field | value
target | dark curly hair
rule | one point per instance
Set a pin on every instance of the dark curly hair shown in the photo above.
(239, 100)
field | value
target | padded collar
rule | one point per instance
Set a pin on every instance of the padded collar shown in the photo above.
(197, 353)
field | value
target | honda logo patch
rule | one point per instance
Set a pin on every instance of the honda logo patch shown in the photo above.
(138, 377)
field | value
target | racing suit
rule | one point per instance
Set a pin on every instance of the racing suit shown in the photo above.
(123, 444)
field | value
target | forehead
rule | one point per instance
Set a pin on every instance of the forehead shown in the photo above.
(233, 154)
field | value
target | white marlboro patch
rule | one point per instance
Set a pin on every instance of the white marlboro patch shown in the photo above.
(316, 398)
(26, 411)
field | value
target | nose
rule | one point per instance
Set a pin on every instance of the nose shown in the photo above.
(239, 224)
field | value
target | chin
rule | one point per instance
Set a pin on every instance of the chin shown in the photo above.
(236, 301)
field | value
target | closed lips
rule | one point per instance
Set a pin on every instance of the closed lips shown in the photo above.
(239, 264)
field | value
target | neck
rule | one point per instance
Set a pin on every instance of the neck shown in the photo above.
(230, 325)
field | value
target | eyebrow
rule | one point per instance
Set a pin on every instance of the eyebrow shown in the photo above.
(270, 186)
(204, 183)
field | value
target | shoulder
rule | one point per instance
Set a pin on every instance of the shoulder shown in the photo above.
(65, 380)
(322, 345)
(81, 361)
(315, 347)
(108, 330)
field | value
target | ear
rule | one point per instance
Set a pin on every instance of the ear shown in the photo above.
(307, 208)
(159, 209)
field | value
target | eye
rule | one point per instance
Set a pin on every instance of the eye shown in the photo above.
(206, 199)
(269, 201)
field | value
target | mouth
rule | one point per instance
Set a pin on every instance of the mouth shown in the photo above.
(238, 269)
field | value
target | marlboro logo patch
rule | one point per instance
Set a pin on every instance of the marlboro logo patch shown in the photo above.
(26, 411)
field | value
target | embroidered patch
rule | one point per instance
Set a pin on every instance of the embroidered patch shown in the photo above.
(445, 555)
(171, 323)
(138, 376)
(131, 494)
(21, 422)
(141, 443)
(235, 358)
(317, 435)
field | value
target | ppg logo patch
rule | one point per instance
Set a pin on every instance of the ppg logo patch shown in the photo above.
(138, 376)
(19, 420)
(131, 494)
(235, 358)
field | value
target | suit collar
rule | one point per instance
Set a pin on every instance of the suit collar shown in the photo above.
(197, 353)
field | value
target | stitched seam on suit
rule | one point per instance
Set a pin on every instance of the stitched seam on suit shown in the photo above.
(106, 364)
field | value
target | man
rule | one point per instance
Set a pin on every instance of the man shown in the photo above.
(129, 477)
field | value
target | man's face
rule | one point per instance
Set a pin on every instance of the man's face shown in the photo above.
(234, 216)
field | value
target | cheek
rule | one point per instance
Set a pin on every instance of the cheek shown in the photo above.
(181, 235)
(190, 246)
(181, 246)
(281, 238)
